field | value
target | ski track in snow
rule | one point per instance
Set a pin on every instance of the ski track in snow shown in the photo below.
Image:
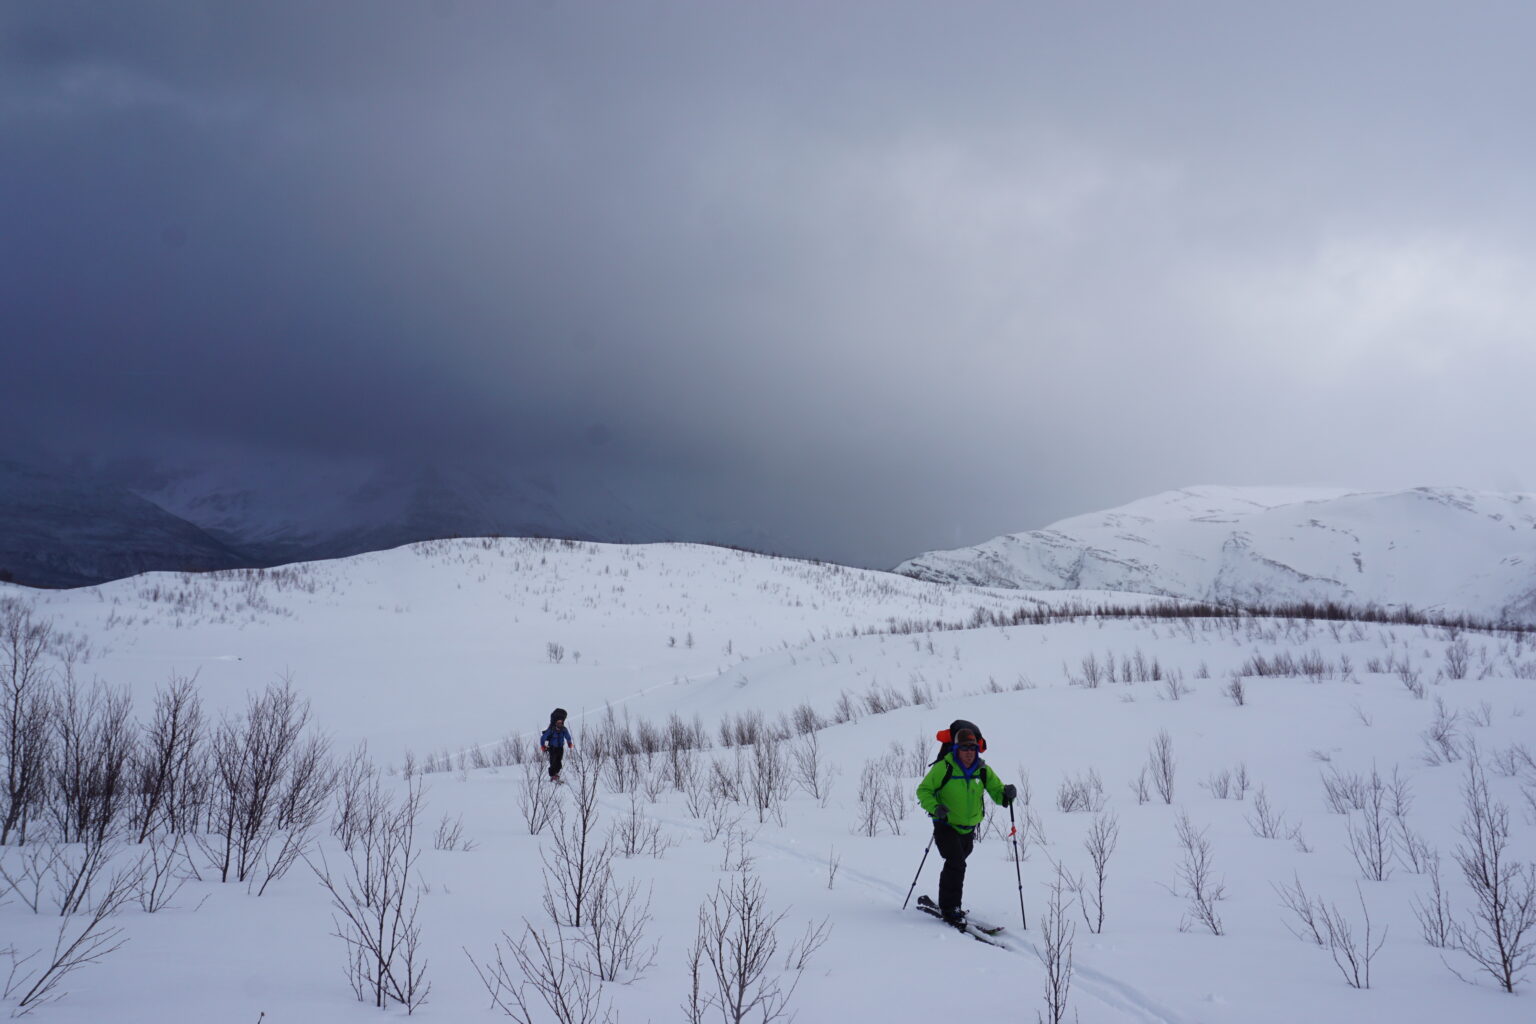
(1108, 990)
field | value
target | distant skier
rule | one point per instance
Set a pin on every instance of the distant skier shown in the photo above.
(951, 793)
(554, 740)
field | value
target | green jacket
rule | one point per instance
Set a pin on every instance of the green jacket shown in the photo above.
(961, 794)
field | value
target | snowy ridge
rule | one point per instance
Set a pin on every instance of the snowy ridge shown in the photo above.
(1441, 550)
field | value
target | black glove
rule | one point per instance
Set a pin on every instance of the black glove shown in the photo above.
(941, 813)
(1010, 791)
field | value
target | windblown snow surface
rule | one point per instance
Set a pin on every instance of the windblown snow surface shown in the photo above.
(447, 647)
(1446, 550)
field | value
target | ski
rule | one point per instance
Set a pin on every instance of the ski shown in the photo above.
(927, 904)
(977, 930)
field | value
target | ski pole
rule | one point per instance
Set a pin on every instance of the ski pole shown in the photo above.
(1013, 831)
(920, 871)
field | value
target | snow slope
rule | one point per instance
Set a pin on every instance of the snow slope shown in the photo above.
(447, 645)
(1444, 550)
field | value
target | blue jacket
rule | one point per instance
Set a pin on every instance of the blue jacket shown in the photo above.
(556, 737)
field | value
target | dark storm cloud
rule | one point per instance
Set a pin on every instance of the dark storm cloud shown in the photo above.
(872, 277)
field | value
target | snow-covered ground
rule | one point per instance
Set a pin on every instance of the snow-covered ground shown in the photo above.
(444, 649)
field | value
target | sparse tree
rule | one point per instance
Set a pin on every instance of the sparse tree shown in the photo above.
(26, 704)
(1100, 843)
(374, 900)
(560, 983)
(738, 940)
(1500, 937)
(579, 862)
(1161, 765)
(1202, 890)
(169, 770)
(1055, 951)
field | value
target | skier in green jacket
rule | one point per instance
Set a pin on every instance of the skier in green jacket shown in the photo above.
(951, 793)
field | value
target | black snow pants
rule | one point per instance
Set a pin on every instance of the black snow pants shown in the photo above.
(954, 847)
(556, 755)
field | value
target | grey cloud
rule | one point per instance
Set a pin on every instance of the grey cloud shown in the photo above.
(872, 277)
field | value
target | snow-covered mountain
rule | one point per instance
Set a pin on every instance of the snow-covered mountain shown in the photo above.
(285, 510)
(1444, 550)
(70, 522)
(57, 530)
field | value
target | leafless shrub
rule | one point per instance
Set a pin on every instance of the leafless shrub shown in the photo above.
(737, 941)
(1235, 691)
(1314, 666)
(1057, 933)
(1457, 657)
(356, 779)
(726, 778)
(1295, 899)
(269, 783)
(880, 699)
(768, 777)
(79, 944)
(845, 710)
(1436, 921)
(1161, 765)
(535, 797)
(450, 835)
(1281, 665)
(559, 983)
(1370, 832)
(26, 707)
(615, 936)
(623, 770)
(1142, 786)
(27, 870)
(806, 720)
(1091, 672)
(635, 834)
(164, 865)
(1100, 843)
(1082, 793)
(1265, 821)
(579, 861)
(374, 901)
(871, 802)
(1442, 739)
(1500, 937)
(169, 769)
(77, 867)
(833, 863)
(1345, 791)
(736, 853)
(1351, 956)
(1173, 687)
(1411, 678)
(798, 957)
(1201, 889)
(810, 770)
(93, 740)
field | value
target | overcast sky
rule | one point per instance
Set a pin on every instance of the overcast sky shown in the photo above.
(877, 277)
